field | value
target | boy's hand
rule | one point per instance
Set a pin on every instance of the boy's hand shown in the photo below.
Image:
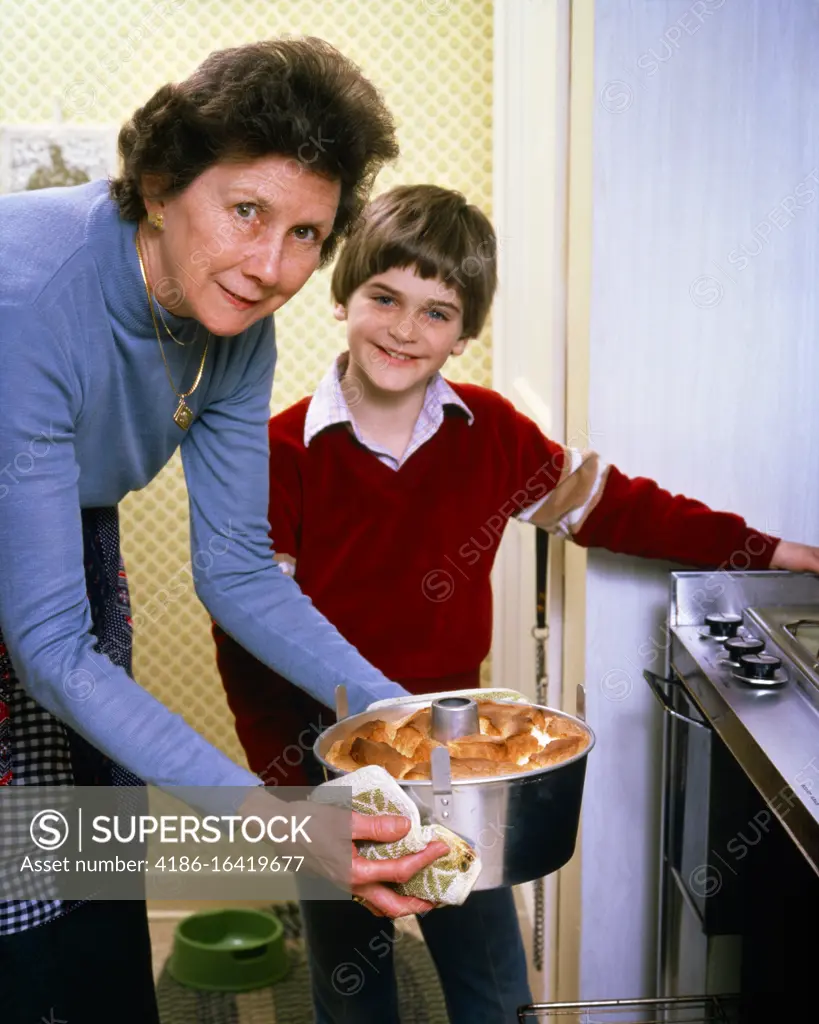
(795, 557)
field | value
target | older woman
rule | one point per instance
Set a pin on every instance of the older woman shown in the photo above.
(135, 318)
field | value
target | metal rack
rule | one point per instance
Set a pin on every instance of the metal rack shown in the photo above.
(677, 1010)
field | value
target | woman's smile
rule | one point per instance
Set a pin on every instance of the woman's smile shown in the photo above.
(238, 301)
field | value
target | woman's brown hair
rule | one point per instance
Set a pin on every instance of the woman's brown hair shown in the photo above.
(297, 98)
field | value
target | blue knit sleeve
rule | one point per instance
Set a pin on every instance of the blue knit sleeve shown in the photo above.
(44, 610)
(225, 456)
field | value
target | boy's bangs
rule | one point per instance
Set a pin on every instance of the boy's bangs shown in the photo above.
(410, 253)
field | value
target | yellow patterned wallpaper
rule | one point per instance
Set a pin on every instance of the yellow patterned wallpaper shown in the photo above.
(93, 61)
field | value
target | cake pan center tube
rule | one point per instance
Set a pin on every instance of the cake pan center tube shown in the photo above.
(453, 717)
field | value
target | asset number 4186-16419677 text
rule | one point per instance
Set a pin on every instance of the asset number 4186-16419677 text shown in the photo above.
(248, 865)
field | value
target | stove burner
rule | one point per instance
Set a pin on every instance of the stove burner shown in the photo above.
(721, 626)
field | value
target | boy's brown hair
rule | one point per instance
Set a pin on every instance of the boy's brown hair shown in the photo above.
(432, 229)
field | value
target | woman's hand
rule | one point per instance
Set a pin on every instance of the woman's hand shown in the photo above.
(327, 854)
(368, 876)
(795, 557)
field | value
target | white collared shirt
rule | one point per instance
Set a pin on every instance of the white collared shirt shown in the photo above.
(331, 401)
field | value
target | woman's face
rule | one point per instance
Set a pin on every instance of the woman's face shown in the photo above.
(239, 241)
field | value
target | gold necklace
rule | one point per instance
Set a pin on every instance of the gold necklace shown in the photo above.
(183, 417)
(168, 331)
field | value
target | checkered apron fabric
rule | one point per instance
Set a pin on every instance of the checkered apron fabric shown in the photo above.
(36, 749)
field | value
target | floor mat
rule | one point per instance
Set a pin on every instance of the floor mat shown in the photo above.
(420, 997)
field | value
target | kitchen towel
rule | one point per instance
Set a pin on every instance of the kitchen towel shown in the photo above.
(449, 879)
(478, 695)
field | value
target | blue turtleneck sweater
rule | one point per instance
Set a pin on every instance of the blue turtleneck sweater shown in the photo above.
(86, 417)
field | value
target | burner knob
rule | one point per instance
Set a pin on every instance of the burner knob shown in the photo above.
(736, 646)
(759, 666)
(723, 625)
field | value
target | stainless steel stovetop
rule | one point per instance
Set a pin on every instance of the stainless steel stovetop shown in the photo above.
(746, 645)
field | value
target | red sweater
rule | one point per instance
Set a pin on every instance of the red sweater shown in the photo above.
(400, 561)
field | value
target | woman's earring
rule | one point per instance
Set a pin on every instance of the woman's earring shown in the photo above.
(157, 221)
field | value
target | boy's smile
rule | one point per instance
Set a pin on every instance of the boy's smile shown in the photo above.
(401, 329)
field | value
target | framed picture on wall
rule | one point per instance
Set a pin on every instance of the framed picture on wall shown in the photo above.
(46, 155)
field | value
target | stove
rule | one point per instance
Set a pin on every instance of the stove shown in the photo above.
(740, 777)
(746, 646)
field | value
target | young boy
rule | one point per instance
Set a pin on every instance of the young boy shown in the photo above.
(378, 483)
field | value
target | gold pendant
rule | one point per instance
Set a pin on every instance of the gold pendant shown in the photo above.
(183, 417)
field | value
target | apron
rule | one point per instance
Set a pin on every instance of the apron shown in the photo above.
(37, 749)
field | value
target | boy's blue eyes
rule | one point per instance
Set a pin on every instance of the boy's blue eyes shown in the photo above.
(436, 314)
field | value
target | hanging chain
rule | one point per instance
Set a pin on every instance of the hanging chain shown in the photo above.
(541, 635)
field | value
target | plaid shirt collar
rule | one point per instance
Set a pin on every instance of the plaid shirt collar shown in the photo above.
(328, 406)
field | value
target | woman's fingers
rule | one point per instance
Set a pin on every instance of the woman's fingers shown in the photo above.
(385, 902)
(383, 828)
(368, 874)
(399, 869)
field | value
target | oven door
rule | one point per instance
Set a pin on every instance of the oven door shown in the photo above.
(705, 804)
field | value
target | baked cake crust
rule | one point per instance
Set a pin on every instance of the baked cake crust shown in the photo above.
(513, 738)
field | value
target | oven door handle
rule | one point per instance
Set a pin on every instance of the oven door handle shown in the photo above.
(654, 682)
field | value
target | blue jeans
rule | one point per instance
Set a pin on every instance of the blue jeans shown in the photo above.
(477, 949)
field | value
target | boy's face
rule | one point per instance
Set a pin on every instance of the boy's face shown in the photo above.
(401, 329)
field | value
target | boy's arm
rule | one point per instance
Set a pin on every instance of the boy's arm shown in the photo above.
(596, 505)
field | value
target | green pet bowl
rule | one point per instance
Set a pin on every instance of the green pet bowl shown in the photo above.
(230, 950)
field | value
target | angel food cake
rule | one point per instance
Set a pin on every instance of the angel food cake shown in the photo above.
(513, 738)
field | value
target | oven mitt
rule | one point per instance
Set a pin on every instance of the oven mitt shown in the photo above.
(478, 695)
(449, 879)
